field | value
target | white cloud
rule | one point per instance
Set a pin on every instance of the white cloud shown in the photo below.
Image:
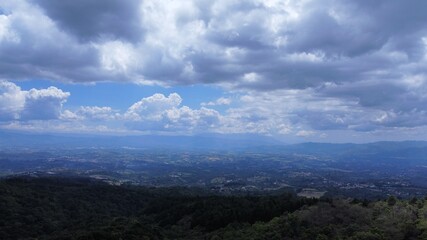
(161, 113)
(69, 115)
(91, 113)
(251, 77)
(117, 56)
(220, 101)
(12, 100)
(290, 114)
(305, 112)
(43, 104)
(7, 34)
(153, 107)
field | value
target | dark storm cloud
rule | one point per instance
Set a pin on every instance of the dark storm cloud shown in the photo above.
(92, 20)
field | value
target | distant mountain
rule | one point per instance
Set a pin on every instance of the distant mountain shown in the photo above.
(223, 142)
(197, 142)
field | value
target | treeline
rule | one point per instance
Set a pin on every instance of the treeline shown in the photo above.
(58, 208)
(340, 219)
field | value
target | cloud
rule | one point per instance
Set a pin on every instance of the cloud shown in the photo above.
(12, 100)
(35, 104)
(33, 47)
(91, 20)
(256, 44)
(153, 107)
(289, 112)
(91, 113)
(160, 113)
(334, 65)
(43, 104)
(218, 102)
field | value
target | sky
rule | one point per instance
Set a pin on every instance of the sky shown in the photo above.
(330, 70)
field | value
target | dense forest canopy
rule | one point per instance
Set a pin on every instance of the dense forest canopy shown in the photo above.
(77, 208)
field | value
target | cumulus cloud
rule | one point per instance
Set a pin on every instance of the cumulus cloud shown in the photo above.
(165, 113)
(43, 104)
(12, 100)
(35, 104)
(153, 107)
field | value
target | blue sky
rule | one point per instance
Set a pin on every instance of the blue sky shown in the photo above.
(332, 71)
(122, 95)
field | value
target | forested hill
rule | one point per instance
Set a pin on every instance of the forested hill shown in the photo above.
(58, 208)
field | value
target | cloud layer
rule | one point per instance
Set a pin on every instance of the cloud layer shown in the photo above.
(255, 44)
(296, 66)
(288, 114)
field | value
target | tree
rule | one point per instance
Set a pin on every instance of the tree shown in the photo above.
(391, 201)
